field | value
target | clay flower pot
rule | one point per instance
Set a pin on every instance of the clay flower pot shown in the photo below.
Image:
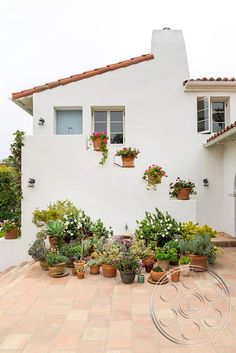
(175, 274)
(156, 276)
(185, 270)
(183, 194)
(43, 265)
(12, 234)
(201, 261)
(128, 162)
(127, 277)
(109, 271)
(57, 269)
(164, 264)
(97, 144)
(79, 265)
(80, 275)
(95, 270)
(148, 263)
(52, 242)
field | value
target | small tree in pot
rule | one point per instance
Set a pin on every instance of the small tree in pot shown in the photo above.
(39, 251)
(127, 266)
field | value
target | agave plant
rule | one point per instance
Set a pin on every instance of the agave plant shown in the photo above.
(56, 229)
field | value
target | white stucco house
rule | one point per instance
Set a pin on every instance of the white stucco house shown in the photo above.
(148, 102)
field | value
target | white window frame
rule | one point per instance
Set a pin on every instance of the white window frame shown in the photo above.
(108, 111)
(211, 100)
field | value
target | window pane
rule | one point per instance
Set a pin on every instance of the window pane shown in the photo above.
(218, 107)
(116, 127)
(218, 126)
(69, 122)
(203, 126)
(116, 138)
(218, 117)
(100, 127)
(202, 103)
(202, 115)
(100, 116)
(117, 116)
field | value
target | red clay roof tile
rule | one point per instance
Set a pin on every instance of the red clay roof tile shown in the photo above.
(209, 79)
(221, 132)
(86, 74)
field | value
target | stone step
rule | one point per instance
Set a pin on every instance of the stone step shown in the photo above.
(13, 271)
(224, 240)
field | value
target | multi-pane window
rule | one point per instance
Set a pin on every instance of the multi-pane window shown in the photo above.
(111, 122)
(211, 114)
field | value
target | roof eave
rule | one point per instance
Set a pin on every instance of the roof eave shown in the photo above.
(210, 86)
(25, 103)
(227, 136)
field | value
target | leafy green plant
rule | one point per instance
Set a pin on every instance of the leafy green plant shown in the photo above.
(166, 254)
(110, 253)
(181, 184)
(94, 262)
(173, 244)
(127, 264)
(103, 148)
(38, 250)
(184, 260)
(190, 229)
(138, 248)
(7, 226)
(128, 152)
(157, 228)
(153, 175)
(199, 245)
(157, 269)
(71, 251)
(53, 258)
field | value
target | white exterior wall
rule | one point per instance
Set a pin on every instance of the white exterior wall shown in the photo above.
(160, 120)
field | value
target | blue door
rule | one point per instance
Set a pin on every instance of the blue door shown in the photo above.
(69, 122)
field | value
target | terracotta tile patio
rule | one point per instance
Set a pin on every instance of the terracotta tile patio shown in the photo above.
(41, 314)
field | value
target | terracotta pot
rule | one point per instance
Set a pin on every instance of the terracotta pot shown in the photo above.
(43, 265)
(12, 234)
(201, 261)
(128, 162)
(109, 271)
(80, 275)
(175, 274)
(97, 144)
(148, 263)
(95, 270)
(183, 194)
(79, 264)
(57, 269)
(185, 270)
(52, 242)
(165, 265)
(155, 276)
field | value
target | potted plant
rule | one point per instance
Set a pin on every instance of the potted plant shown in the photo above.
(198, 248)
(173, 244)
(184, 262)
(56, 263)
(148, 258)
(84, 250)
(153, 175)
(9, 229)
(164, 256)
(110, 252)
(80, 273)
(157, 274)
(181, 189)
(127, 266)
(55, 231)
(99, 140)
(72, 252)
(38, 251)
(94, 265)
(127, 155)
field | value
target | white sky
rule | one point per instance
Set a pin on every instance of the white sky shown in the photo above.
(44, 40)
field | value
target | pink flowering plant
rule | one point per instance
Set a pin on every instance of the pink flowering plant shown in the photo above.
(128, 152)
(153, 175)
(181, 184)
(103, 148)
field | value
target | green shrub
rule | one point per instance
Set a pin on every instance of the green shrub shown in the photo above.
(166, 254)
(157, 228)
(71, 251)
(190, 229)
(8, 194)
(198, 245)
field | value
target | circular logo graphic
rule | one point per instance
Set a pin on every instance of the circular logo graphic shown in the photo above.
(193, 310)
